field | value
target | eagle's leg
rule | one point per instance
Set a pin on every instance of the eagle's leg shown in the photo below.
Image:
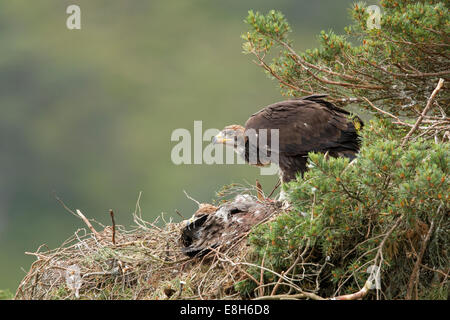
(283, 196)
(284, 200)
(290, 168)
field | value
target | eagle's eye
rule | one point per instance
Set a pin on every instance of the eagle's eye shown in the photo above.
(229, 133)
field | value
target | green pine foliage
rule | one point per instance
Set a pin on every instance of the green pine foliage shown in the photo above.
(343, 213)
(396, 65)
(6, 295)
(390, 207)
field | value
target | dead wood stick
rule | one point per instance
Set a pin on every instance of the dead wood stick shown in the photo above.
(415, 273)
(261, 277)
(190, 198)
(259, 191)
(445, 275)
(275, 188)
(284, 297)
(301, 295)
(384, 112)
(64, 205)
(225, 258)
(300, 256)
(86, 221)
(111, 213)
(424, 112)
(40, 256)
(179, 213)
(355, 296)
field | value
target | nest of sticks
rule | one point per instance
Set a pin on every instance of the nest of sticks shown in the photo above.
(165, 260)
(144, 262)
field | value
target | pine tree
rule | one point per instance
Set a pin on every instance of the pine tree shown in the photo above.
(391, 66)
(390, 208)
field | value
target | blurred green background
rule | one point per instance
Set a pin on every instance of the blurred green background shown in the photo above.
(89, 113)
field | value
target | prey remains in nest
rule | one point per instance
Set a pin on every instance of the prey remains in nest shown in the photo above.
(212, 227)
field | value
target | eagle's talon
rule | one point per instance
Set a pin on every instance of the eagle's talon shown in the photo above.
(285, 205)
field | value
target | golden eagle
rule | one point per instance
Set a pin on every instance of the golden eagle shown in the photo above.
(307, 124)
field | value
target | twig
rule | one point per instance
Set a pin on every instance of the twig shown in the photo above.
(261, 277)
(357, 295)
(300, 256)
(179, 213)
(380, 247)
(307, 65)
(86, 221)
(111, 213)
(445, 275)
(386, 236)
(259, 191)
(190, 198)
(424, 112)
(263, 64)
(310, 295)
(415, 273)
(180, 292)
(227, 259)
(383, 112)
(64, 205)
(266, 269)
(275, 188)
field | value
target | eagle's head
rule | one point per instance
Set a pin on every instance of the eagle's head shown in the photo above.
(233, 135)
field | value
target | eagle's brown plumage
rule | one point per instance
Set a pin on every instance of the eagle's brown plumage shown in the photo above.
(306, 124)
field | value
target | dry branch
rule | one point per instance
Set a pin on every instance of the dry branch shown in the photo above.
(414, 279)
(111, 213)
(89, 225)
(425, 111)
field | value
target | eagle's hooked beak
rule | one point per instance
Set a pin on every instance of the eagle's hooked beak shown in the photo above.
(220, 138)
